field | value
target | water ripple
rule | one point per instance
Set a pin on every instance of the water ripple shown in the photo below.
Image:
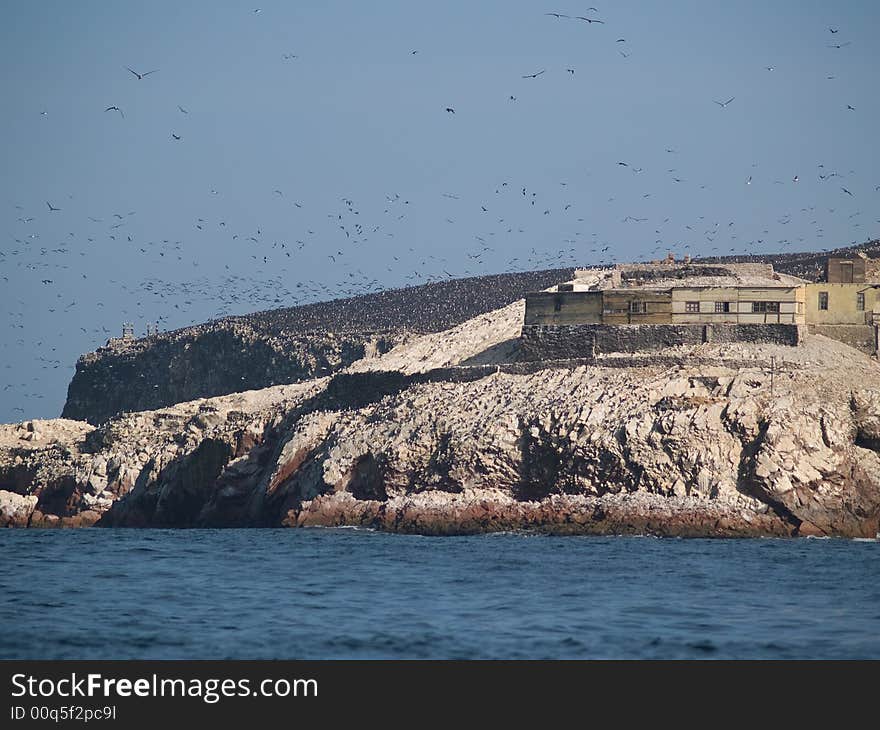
(167, 594)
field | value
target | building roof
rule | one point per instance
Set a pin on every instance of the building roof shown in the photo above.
(666, 276)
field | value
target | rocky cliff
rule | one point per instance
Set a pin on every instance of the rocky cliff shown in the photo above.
(223, 357)
(451, 432)
(279, 346)
(693, 442)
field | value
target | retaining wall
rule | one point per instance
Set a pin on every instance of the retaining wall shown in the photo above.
(550, 342)
(860, 336)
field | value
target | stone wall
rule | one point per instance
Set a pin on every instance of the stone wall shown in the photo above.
(539, 342)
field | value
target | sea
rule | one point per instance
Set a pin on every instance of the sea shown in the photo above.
(359, 594)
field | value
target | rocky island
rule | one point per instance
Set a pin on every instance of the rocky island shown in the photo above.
(455, 424)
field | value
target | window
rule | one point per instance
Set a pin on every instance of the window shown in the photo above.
(557, 304)
(823, 300)
(799, 307)
(765, 307)
(638, 307)
(860, 301)
(691, 306)
(722, 307)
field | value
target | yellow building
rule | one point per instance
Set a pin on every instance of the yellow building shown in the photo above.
(833, 303)
(847, 308)
(738, 305)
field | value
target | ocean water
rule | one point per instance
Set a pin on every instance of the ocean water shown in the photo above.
(315, 594)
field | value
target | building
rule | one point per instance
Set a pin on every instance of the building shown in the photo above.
(834, 303)
(670, 293)
(739, 304)
(845, 270)
(687, 303)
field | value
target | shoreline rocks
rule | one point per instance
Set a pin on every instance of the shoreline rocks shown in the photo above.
(435, 515)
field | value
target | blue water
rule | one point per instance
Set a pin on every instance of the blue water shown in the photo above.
(260, 594)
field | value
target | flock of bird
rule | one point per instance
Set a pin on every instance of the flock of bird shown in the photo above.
(262, 268)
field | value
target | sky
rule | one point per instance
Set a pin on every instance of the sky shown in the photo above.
(283, 153)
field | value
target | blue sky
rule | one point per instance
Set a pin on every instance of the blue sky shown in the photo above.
(352, 114)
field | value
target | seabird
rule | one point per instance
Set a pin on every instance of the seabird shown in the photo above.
(141, 76)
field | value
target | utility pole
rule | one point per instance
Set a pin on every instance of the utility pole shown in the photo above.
(772, 372)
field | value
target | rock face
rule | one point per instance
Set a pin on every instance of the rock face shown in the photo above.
(156, 468)
(279, 346)
(807, 453)
(140, 375)
(16, 509)
(691, 443)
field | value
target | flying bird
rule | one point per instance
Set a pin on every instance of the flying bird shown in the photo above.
(589, 20)
(850, 107)
(450, 110)
(723, 104)
(145, 73)
(848, 192)
(115, 109)
(175, 136)
(534, 75)
(182, 109)
(558, 15)
(51, 207)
